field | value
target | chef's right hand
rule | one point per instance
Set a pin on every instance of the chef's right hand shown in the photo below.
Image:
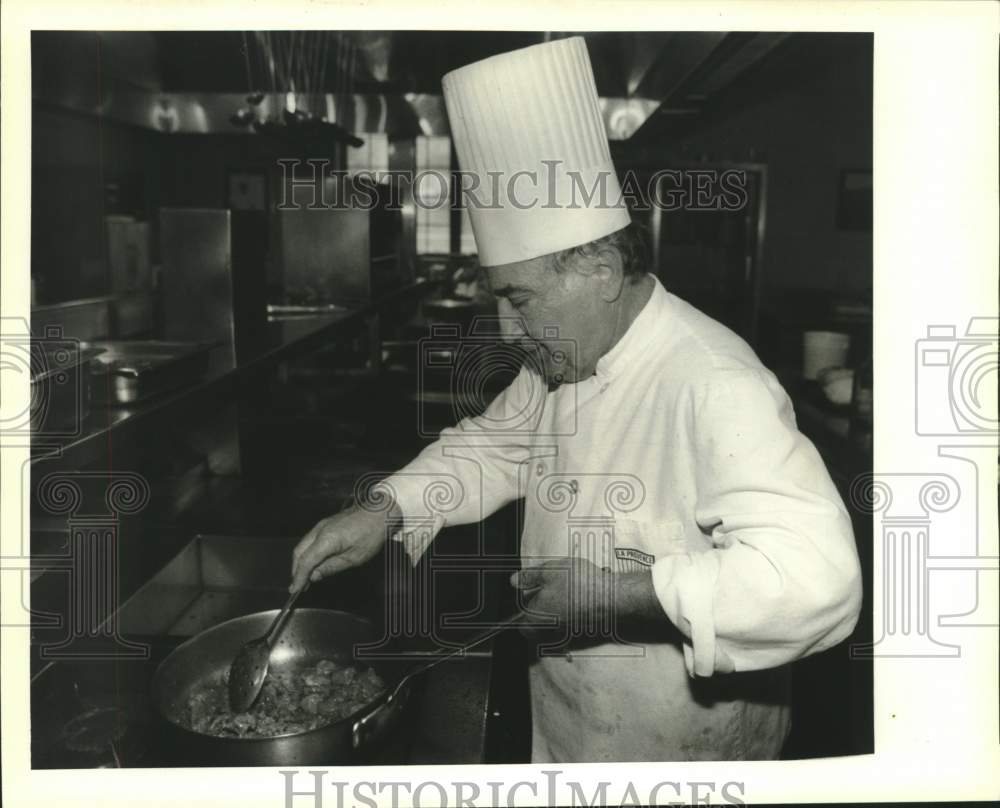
(344, 540)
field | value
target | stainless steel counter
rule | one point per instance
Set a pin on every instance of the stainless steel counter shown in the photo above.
(258, 351)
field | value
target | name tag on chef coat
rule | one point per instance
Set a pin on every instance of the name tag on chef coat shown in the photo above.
(631, 560)
(639, 542)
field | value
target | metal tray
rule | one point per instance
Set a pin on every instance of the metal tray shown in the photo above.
(212, 579)
(130, 371)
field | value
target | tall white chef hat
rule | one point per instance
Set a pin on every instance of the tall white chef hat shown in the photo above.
(527, 125)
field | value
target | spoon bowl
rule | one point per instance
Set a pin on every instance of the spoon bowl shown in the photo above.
(249, 667)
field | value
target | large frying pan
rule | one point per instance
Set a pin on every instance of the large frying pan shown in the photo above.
(309, 636)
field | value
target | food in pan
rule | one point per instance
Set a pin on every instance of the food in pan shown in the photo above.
(290, 701)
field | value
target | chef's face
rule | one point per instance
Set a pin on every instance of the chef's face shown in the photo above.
(566, 318)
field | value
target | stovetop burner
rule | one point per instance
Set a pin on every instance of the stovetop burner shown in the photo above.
(95, 713)
(94, 730)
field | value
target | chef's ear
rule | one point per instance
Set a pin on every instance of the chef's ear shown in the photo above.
(609, 270)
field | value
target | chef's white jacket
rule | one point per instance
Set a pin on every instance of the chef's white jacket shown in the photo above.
(681, 456)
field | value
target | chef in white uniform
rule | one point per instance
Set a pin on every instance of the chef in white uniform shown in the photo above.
(683, 535)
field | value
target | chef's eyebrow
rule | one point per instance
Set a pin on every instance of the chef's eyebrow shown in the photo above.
(508, 290)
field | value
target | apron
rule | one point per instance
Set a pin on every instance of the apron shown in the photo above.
(631, 699)
(634, 700)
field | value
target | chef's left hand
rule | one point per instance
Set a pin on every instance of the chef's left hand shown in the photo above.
(575, 591)
(584, 597)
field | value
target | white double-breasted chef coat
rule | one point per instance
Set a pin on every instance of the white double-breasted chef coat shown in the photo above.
(680, 455)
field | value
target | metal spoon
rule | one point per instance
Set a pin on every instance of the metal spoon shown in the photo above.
(249, 667)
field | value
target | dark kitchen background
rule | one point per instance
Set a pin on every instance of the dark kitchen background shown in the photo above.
(248, 364)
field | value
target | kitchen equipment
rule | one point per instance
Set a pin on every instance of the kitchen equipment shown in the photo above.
(823, 349)
(862, 401)
(118, 231)
(60, 387)
(863, 391)
(249, 668)
(324, 254)
(133, 315)
(277, 312)
(837, 384)
(129, 371)
(466, 645)
(450, 310)
(76, 319)
(196, 277)
(445, 720)
(128, 254)
(212, 579)
(310, 635)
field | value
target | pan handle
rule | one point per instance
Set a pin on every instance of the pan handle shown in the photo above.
(478, 639)
(378, 718)
(380, 715)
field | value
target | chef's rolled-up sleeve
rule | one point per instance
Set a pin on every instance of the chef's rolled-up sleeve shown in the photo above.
(470, 471)
(781, 579)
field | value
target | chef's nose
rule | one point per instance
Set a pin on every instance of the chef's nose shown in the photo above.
(511, 324)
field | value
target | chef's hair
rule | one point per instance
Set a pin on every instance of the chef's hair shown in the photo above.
(628, 242)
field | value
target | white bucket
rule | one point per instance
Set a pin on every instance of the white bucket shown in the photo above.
(823, 349)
